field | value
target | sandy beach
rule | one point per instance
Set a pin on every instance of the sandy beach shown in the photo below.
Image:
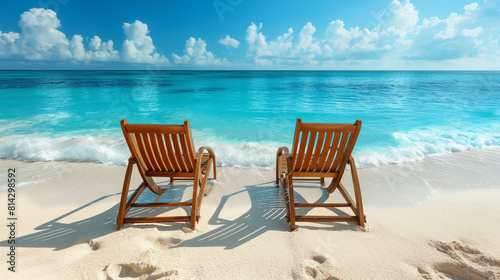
(435, 218)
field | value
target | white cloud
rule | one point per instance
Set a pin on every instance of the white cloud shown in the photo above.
(195, 52)
(306, 43)
(261, 52)
(398, 34)
(453, 22)
(396, 24)
(471, 8)
(40, 39)
(399, 19)
(337, 36)
(456, 37)
(472, 32)
(99, 51)
(7, 43)
(450, 30)
(229, 42)
(138, 46)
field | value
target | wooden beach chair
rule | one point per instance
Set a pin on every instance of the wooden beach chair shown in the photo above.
(320, 151)
(164, 151)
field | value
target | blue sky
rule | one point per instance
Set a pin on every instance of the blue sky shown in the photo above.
(243, 34)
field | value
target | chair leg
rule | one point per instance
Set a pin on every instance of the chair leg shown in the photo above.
(278, 171)
(284, 193)
(215, 167)
(291, 203)
(196, 185)
(123, 199)
(357, 193)
(322, 180)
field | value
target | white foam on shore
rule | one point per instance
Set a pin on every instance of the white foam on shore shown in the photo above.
(409, 146)
(73, 149)
(420, 143)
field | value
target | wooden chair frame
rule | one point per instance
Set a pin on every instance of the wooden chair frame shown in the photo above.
(320, 151)
(164, 151)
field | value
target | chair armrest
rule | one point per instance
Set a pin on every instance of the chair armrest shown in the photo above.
(283, 150)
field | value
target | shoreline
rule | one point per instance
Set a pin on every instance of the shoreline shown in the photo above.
(432, 218)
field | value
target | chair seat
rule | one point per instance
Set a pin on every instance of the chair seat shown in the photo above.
(187, 174)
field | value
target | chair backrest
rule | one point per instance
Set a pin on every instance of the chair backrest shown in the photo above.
(323, 147)
(161, 148)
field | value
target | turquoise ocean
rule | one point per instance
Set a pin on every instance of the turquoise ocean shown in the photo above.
(246, 115)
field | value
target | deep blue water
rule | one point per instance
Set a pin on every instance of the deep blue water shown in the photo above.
(246, 115)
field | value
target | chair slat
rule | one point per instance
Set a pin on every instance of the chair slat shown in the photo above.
(156, 151)
(142, 150)
(154, 128)
(332, 153)
(300, 152)
(328, 127)
(171, 152)
(150, 153)
(317, 152)
(310, 147)
(324, 152)
(163, 152)
(185, 153)
(189, 140)
(178, 152)
(340, 152)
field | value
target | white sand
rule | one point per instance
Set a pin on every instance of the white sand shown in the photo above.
(432, 219)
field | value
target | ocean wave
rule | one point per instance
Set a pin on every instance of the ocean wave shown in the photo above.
(419, 143)
(406, 146)
(73, 149)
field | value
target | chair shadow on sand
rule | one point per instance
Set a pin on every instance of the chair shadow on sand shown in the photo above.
(60, 235)
(266, 213)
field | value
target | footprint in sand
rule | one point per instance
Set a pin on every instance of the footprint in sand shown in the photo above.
(466, 263)
(165, 243)
(140, 271)
(94, 245)
(320, 266)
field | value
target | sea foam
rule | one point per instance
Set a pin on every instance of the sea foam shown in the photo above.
(407, 146)
(418, 143)
(73, 149)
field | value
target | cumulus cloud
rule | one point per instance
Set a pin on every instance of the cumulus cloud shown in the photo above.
(41, 39)
(98, 50)
(229, 42)
(398, 34)
(338, 43)
(394, 27)
(195, 52)
(450, 30)
(454, 37)
(472, 32)
(138, 46)
(8, 43)
(348, 43)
